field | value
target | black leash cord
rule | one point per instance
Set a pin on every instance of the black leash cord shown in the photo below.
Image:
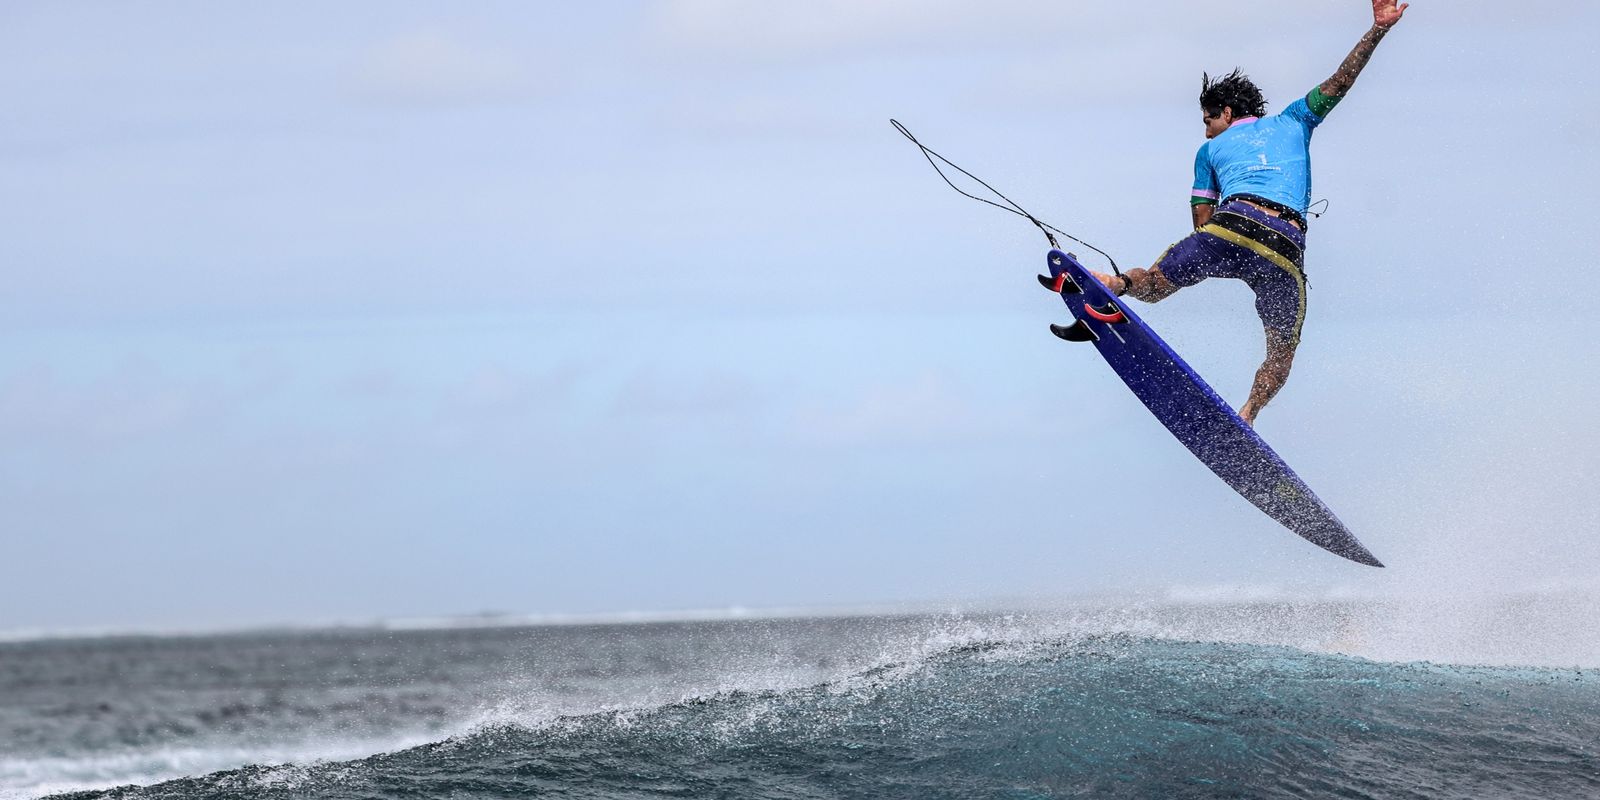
(1011, 205)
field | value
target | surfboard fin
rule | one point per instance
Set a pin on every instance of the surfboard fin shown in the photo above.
(1107, 313)
(1076, 332)
(1060, 284)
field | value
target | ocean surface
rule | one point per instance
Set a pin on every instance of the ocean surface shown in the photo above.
(1181, 700)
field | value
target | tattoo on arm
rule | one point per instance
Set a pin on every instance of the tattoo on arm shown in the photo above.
(1345, 77)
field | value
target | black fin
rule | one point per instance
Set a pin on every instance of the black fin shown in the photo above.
(1076, 332)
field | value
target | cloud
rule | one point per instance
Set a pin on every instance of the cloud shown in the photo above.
(715, 395)
(928, 408)
(939, 27)
(496, 393)
(41, 408)
(503, 407)
(434, 68)
(778, 30)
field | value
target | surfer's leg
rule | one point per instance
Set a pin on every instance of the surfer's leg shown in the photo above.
(1281, 304)
(1272, 375)
(1183, 264)
(1150, 285)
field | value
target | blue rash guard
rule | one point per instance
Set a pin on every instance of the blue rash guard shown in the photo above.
(1268, 157)
(1258, 161)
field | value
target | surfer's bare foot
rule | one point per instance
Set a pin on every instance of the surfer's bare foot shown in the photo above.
(1248, 414)
(1150, 285)
(1116, 284)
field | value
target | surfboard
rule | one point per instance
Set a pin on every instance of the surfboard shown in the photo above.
(1195, 414)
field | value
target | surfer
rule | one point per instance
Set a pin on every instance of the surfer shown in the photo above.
(1252, 185)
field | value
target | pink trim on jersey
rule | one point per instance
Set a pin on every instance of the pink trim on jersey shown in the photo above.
(1206, 193)
(1238, 122)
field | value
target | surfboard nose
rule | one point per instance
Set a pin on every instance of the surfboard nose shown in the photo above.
(1363, 556)
(1325, 531)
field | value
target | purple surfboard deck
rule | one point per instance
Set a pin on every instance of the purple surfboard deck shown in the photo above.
(1201, 419)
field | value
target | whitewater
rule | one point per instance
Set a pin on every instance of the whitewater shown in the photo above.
(1211, 695)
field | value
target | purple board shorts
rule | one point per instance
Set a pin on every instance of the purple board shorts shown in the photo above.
(1244, 242)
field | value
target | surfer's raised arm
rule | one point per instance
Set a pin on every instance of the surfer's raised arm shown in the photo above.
(1385, 13)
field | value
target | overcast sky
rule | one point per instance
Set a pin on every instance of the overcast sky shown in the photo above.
(339, 311)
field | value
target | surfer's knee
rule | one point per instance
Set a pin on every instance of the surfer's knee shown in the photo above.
(1282, 346)
(1149, 285)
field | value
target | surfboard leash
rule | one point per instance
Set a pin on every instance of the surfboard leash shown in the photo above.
(1011, 206)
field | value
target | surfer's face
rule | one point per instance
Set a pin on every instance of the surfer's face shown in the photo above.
(1217, 124)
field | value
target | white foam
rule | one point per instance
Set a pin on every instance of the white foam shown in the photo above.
(27, 777)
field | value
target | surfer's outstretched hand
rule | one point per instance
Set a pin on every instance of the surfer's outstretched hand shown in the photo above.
(1385, 13)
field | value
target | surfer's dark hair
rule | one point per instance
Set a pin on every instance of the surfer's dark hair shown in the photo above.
(1233, 90)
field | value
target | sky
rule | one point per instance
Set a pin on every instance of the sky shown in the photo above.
(341, 312)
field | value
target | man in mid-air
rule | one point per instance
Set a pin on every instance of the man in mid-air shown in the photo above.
(1252, 184)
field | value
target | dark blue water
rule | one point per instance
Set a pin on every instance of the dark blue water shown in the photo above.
(880, 708)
